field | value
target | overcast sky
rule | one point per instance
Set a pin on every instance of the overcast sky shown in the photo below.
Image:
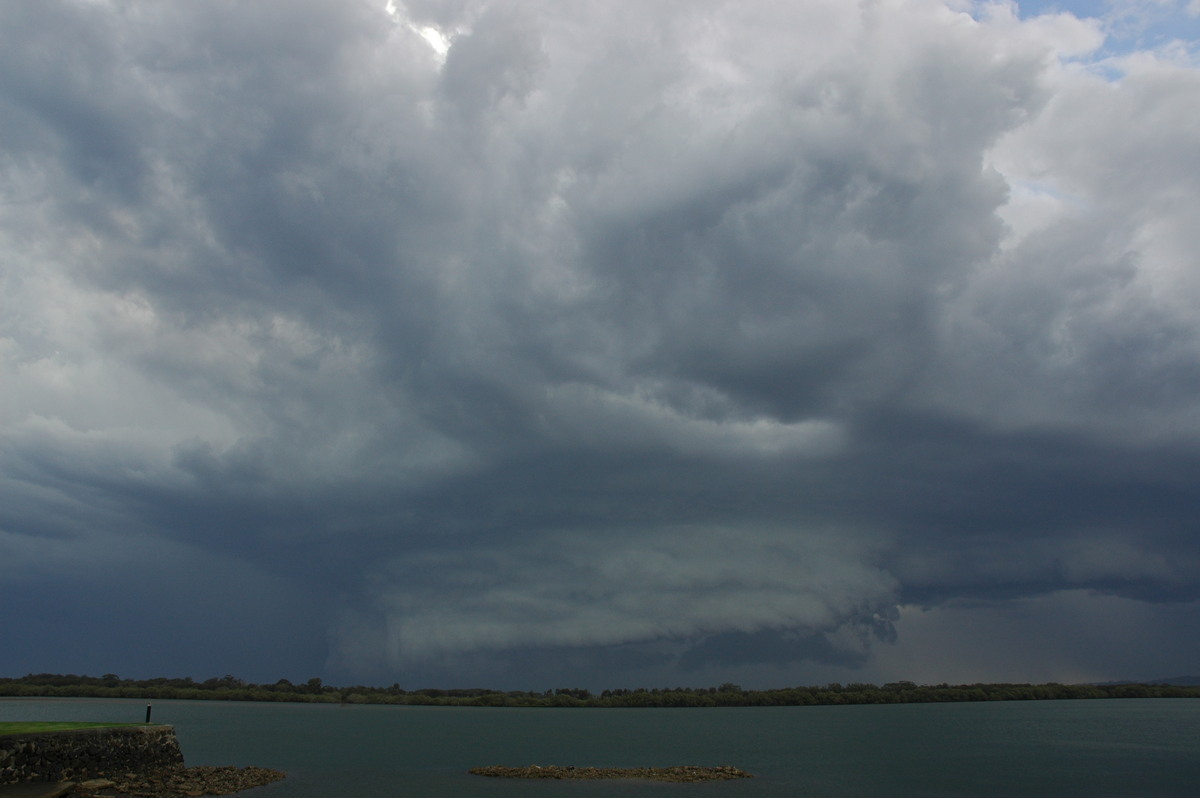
(607, 343)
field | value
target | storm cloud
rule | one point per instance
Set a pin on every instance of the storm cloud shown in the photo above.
(530, 343)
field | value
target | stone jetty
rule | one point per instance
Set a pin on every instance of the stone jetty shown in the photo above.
(110, 761)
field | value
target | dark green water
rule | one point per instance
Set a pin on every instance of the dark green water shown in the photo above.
(1135, 747)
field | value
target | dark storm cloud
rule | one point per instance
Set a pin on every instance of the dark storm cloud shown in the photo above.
(497, 341)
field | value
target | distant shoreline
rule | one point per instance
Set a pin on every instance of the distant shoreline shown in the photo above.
(727, 695)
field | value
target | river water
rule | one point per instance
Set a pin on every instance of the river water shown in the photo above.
(1123, 747)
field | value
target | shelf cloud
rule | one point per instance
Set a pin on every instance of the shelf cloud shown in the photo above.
(536, 342)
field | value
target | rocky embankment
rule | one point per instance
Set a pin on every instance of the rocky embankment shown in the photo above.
(177, 782)
(79, 754)
(675, 773)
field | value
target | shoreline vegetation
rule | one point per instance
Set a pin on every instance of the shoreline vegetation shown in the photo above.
(230, 688)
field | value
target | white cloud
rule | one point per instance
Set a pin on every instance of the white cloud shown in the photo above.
(1091, 298)
(1064, 34)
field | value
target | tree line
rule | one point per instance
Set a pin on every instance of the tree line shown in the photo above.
(231, 688)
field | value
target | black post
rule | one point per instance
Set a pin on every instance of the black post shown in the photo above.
(147, 713)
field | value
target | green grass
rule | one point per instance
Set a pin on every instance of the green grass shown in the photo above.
(33, 726)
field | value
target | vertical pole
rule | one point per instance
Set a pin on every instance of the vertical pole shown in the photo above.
(147, 713)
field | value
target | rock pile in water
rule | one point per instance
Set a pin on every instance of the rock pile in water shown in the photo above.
(675, 773)
(178, 782)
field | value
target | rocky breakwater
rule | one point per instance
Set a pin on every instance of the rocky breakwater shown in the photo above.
(87, 753)
(125, 761)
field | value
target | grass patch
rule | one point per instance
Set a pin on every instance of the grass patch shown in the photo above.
(34, 726)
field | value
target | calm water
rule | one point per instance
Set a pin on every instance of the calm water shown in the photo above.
(1136, 747)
